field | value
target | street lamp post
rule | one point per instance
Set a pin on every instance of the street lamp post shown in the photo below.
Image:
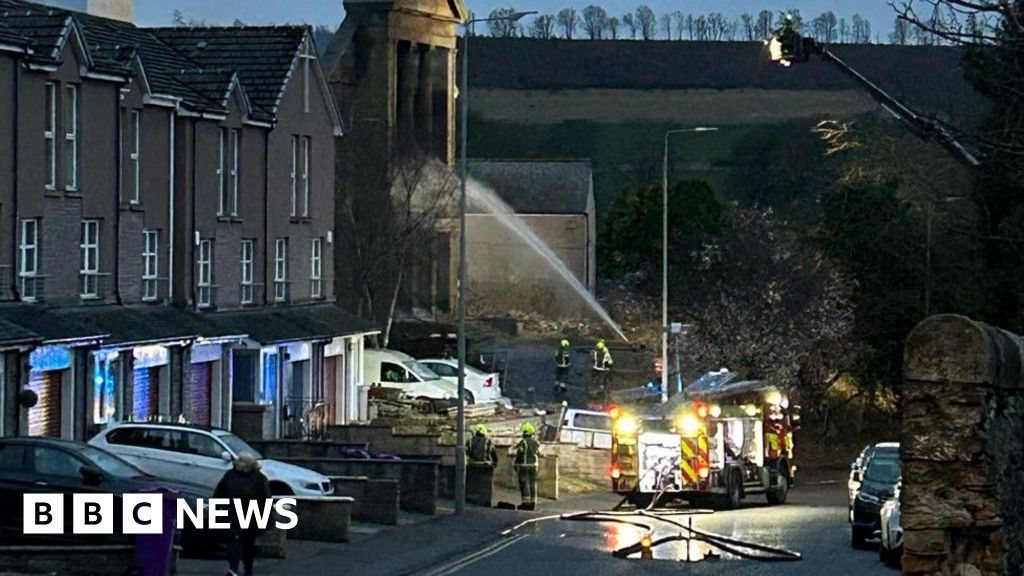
(664, 255)
(460, 419)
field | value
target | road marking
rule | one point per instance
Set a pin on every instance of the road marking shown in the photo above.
(470, 559)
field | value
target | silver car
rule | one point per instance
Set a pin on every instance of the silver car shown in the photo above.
(890, 551)
(201, 455)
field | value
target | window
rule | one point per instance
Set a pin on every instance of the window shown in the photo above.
(150, 264)
(393, 373)
(90, 258)
(316, 269)
(235, 140)
(71, 137)
(205, 273)
(442, 370)
(281, 270)
(306, 145)
(247, 272)
(222, 158)
(136, 135)
(12, 458)
(53, 462)
(204, 445)
(50, 133)
(29, 249)
(307, 73)
(295, 176)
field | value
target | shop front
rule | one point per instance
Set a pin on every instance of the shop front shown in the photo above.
(204, 400)
(151, 384)
(51, 379)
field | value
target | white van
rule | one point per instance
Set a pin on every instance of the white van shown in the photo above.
(394, 369)
(587, 429)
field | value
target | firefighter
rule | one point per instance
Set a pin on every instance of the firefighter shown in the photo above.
(563, 360)
(602, 368)
(526, 463)
(774, 432)
(479, 447)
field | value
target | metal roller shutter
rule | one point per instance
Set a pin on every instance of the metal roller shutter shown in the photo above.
(200, 391)
(44, 418)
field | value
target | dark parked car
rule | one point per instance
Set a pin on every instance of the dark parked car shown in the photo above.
(858, 466)
(50, 465)
(878, 485)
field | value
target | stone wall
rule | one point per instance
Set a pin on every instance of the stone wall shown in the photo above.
(963, 449)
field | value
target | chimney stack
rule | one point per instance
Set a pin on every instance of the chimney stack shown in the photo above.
(117, 9)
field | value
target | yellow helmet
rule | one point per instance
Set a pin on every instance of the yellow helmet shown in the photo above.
(529, 429)
(565, 343)
(601, 345)
(480, 429)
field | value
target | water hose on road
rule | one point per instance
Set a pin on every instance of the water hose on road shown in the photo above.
(739, 548)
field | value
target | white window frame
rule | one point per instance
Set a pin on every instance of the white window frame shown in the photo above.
(236, 138)
(316, 260)
(150, 265)
(50, 134)
(90, 249)
(28, 267)
(222, 157)
(295, 176)
(307, 145)
(136, 155)
(281, 270)
(205, 273)
(71, 107)
(247, 257)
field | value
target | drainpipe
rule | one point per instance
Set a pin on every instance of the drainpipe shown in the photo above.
(266, 219)
(192, 230)
(170, 208)
(119, 170)
(14, 202)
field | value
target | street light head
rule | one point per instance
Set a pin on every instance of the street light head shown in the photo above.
(705, 129)
(517, 16)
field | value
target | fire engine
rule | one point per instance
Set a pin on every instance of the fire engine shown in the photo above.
(715, 444)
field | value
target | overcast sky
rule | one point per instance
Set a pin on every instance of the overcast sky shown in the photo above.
(330, 12)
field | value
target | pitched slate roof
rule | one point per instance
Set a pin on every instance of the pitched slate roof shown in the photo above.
(197, 66)
(143, 324)
(292, 323)
(262, 56)
(537, 187)
(48, 325)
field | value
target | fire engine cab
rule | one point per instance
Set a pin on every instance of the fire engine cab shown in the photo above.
(715, 444)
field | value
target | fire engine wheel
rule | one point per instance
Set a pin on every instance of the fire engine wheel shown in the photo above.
(640, 500)
(731, 500)
(777, 495)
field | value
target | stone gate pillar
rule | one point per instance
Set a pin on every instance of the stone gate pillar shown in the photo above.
(962, 445)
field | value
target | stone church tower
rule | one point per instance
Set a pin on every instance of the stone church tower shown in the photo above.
(392, 68)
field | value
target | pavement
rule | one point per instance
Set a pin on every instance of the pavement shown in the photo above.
(813, 523)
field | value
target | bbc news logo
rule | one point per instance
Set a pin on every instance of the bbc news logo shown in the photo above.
(144, 513)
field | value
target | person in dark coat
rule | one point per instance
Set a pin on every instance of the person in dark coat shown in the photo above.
(244, 481)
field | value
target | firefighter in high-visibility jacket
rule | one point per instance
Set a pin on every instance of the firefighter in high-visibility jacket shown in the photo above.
(526, 464)
(602, 369)
(480, 449)
(775, 436)
(563, 360)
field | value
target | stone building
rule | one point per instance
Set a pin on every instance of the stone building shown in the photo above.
(554, 199)
(166, 226)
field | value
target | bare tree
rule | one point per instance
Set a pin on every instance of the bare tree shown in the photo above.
(568, 21)
(861, 29)
(630, 23)
(701, 28)
(718, 26)
(543, 26)
(765, 24)
(691, 30)
(749, 26)
(501, 26)
(612, 26)
(594, 21)
(825, 26)
(646, 22)
(901, 32)
(680, 22)
(844, 31)
(666, 26)
(389, 207)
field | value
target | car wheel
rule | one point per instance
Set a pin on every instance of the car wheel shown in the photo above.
(883, 554)
(280, 489)
(470, 399)
(858, 538)
(895, 558)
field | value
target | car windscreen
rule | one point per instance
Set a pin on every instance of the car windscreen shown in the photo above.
(421, 371)
(110, 464)
(236, 444)
(883, 469)
(474, 371)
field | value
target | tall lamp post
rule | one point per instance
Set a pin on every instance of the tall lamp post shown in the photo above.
(664, 255)
(460, 421)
